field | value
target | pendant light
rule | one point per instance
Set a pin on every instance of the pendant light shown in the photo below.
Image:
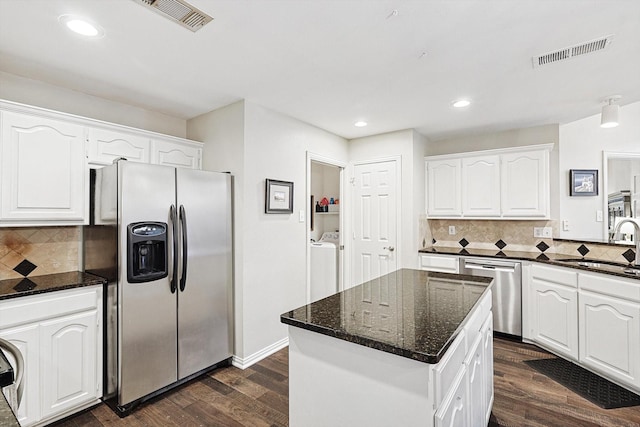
(609, 116)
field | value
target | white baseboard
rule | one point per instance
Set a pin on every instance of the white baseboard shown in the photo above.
(244, 363)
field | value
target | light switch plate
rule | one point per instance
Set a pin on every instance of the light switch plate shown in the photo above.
(599, 216)
(452, 230)
(565, 225)
(302, 217)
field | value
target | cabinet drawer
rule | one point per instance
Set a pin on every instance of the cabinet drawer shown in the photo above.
(559, 275)
(448, 368)
(39, 307)
(443, 264)
(627, 289)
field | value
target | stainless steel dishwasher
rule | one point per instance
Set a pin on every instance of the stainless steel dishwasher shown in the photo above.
(507, 290)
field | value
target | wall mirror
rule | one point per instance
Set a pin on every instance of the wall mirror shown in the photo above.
(621, 190)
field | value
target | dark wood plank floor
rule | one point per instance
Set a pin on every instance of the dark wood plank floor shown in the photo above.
(258, 396)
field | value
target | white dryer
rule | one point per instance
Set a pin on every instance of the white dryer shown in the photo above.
(324, 266)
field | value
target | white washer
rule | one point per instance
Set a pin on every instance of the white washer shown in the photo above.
(324, 266)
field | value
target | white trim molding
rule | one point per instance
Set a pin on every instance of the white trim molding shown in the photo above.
(244, 363)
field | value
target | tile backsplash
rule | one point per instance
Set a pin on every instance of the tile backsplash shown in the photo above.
(35, 251)
(508, 235)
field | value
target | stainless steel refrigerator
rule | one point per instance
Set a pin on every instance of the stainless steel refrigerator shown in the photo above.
(162, 237)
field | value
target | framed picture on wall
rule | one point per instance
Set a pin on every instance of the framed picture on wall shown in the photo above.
(583, 182)
(278, 197)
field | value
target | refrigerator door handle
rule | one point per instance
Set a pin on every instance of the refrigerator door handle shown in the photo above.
(174, 267)
(183, 226)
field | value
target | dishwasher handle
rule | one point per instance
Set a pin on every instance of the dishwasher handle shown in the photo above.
(488, 267)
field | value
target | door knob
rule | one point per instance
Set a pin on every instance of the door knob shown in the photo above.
(390, 248)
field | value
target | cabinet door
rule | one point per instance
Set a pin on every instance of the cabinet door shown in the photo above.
(26, 338)
(610, 337)
(554, 317)
(481, 186)
(525, 184)
(443, 188)
(454, 410)
(43, 170)
(174, 154)
(475, 383)
(441, 263)
(105, 146)
(487, 366)
(69, 370)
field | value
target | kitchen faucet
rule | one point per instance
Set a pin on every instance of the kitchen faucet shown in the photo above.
(636, 235)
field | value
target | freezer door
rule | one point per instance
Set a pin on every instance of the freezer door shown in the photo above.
(147, 311)
(204, 295)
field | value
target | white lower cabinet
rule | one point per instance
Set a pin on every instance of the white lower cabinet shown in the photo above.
(475, 372)
(59, 336)
(554, 309)
(610, 337)
(592, 319)
(454, 411)
(487, 354)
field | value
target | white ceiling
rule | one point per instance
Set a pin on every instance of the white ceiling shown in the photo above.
(333, 62)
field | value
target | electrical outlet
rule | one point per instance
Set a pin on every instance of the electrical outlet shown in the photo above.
(599, 216)
(301, 218)
(565, 225)
(547, 232)
(537, 231)
(452, 230)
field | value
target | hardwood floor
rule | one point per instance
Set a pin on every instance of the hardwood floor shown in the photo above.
(258, 396)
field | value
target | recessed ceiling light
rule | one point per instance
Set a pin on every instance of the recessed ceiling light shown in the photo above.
(81, 26)
(360, 124)
(461, 103)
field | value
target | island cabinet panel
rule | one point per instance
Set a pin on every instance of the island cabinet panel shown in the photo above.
(454, 411)
(554, 310)
(487, 344)
(475, 379)
(43, 171)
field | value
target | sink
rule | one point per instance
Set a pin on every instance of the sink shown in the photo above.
(603, 265)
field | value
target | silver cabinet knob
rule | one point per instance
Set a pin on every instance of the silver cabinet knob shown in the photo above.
(390, 248)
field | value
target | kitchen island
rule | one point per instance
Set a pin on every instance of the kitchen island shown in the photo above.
(411, 348)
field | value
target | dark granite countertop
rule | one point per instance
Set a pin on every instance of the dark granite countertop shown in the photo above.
(14, 288)
(411, 313)
(552, 259)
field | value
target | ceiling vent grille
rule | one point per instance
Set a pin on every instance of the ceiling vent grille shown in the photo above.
(179, 11)
(572, 51)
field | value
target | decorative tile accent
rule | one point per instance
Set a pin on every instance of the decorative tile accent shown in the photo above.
(463, 242)
(25, 267)
(629, 255)
(502, 254)
(433, 241)
(583, 250)
(464, 252)
(24, 285)
(542, 246)
(542, 257)
(501, 244)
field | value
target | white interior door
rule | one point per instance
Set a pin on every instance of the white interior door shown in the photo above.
(374, 225)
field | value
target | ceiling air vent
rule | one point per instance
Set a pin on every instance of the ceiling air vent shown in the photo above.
(179, 11)
(572, 51)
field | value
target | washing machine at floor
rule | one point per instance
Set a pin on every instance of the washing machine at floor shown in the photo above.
(324, 266)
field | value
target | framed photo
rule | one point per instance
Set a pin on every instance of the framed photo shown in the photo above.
(278, 197)
(583, 182)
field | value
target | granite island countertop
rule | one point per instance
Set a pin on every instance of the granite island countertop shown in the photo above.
(604, 267)
(411, 313)
(14, 288)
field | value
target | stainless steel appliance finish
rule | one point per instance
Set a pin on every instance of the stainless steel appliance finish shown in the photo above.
(163, 327)
(506, 292)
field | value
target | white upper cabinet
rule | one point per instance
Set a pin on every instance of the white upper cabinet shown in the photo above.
(181, 155)
(443, 187)
(106, 145)
(43, 171)
(525, 186)
(510, 183)
(481, 186)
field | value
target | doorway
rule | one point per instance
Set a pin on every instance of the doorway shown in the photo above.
(325, 261)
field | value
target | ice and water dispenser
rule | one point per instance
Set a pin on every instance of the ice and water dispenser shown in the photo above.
(146, 251)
